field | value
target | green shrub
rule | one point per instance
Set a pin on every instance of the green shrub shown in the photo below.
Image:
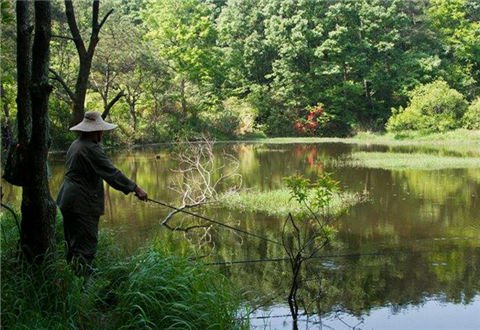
(274, 117)
(245, 113)
(235, 117)
(279, 122)
(471, 118)
(221, 124)
(60, 122)
(433, 107)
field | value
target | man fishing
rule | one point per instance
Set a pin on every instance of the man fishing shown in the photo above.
(81, 196)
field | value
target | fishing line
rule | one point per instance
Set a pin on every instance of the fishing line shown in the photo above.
(236, 262)
(325, 256)
(275, 259)
(214, 221)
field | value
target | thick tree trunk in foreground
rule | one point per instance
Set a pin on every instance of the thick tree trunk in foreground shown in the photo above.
(24, 72)
(38, 208)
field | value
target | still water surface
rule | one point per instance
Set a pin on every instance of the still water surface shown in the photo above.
(409, 258)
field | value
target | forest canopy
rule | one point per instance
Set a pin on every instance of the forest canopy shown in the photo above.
(167, 69)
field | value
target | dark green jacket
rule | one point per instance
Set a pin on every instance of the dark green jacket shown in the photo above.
(82, 189)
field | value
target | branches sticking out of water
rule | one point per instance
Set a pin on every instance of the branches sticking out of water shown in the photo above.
(309, 231)
(200, 176)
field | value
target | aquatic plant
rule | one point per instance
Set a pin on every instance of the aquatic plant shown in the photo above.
(311, 230)
(279, 203)
(398, 161)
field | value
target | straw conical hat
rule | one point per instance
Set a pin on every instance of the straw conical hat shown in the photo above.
(92, 122)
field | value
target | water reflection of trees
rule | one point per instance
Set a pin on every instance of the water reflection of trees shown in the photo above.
(412, 205)
(359, 284)
(356, 281)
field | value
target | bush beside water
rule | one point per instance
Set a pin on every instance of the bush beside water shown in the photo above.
(433, 107)
(471, 119)
(152, 290)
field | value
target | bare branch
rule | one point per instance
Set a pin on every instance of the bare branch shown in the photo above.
(62, 82)
(95, 9)
(72, 23)
(105, 19)
(110, 104)
(63, 37)
(195, 183)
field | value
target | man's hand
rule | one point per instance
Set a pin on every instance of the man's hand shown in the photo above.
(142, 195)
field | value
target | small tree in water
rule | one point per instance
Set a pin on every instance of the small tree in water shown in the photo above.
(309, 231)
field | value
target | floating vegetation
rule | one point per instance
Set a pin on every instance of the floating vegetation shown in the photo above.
(400, 161)
(279, 203)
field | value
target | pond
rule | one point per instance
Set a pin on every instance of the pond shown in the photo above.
(408, 258)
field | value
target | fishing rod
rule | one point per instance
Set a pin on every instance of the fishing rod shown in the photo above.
(213, 221)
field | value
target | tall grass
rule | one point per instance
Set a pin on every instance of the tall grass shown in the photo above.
(35, 296)
(166, 292)
(152, 290)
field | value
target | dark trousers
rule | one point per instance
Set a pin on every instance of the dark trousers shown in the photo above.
(81, 237)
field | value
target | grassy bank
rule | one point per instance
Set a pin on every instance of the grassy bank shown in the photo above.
(152, 290)
(399, 161)
(448, 138)
(409, 150)
(279, 202)
(460, 139)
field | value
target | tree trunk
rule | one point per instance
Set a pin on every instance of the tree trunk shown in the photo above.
(38, 208)
(183, 98)
(85, 55)
(109, 106)
(24, 72)
(369, 116)
(81, 89)
(133, 114)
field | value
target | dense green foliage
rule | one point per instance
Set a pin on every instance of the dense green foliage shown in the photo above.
(153, 289)
(242, 67)
(471, 118)
(432, 107)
